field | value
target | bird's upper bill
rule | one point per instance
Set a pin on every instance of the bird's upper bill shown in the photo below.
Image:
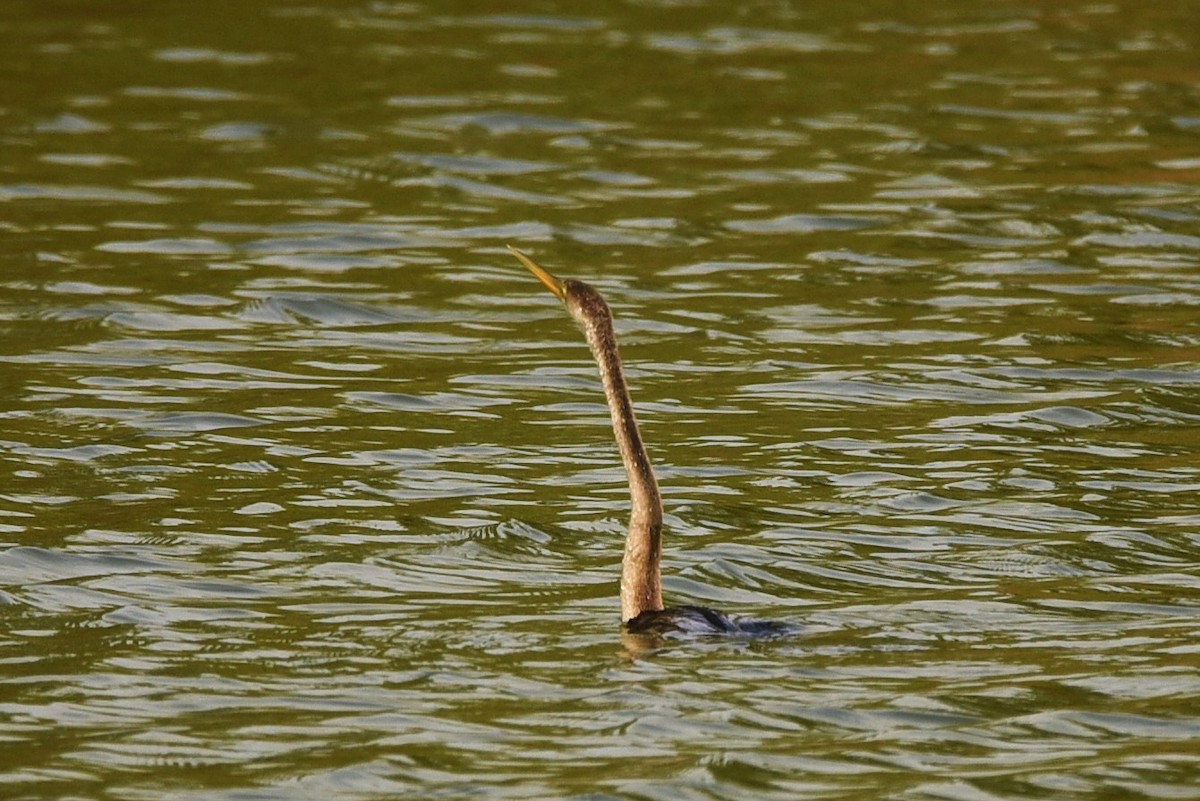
(558, 287)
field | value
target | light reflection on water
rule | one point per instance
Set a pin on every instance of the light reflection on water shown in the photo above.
(309, 491)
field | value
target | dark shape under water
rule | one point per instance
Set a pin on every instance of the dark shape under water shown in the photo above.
(700, 620)
(642, 609)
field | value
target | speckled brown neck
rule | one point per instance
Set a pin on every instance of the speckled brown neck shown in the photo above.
(641, 579)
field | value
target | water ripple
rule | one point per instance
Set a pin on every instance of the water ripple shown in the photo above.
(307, 489)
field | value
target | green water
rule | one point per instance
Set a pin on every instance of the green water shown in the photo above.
(307, 489)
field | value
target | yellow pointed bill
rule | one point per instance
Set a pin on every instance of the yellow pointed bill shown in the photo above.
(553, 284)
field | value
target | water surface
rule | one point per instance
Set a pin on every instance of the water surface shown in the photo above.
(307, 489)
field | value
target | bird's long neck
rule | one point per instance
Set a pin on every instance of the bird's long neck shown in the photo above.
(641, 579)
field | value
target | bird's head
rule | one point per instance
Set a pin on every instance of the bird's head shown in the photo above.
(582, 300)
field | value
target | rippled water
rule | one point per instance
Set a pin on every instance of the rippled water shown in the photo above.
(307, 489)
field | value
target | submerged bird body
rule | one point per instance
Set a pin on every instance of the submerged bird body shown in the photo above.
(702, 620)
(642, 608)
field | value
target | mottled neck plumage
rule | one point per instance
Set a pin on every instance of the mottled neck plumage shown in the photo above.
(641, 579)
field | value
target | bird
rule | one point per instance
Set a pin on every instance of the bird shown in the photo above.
(642, 608)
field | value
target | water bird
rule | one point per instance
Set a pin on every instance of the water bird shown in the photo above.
(642, 609)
